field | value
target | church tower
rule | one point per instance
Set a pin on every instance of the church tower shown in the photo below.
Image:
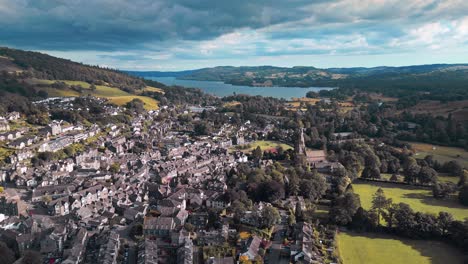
(299, 147)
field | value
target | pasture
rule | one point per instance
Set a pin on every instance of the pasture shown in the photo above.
(420, 199)
(356, 248)
(440, 153)
(115, 95)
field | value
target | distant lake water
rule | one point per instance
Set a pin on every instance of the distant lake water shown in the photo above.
(223, 89)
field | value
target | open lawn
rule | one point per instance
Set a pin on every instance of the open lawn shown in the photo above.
(357, 248)
(115, 95)
(441, 153)
(150, 103)
(420, 199)
(264, 145)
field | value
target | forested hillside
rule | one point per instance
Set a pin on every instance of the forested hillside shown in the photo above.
(43, 66)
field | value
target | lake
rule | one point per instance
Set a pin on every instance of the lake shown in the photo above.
(223, 89)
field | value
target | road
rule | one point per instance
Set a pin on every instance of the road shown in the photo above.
(274, 253)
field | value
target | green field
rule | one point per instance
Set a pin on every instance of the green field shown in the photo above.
(418, 198)
(115, 95)
(440, 153)
(357, 248)
(263, 144)
(150, 103)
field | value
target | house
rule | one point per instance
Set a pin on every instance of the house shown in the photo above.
(158, 226)
(55, 128)
(251, 247)
(4, 126)
(75, 254)
(303, 248)
(199, 220)
(148, 252)
(56, 145)
(185, 253)
(60, 206)
(108, 253)
(12, 116)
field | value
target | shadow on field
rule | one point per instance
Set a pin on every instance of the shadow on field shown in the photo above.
(450, 202)
(437, 252)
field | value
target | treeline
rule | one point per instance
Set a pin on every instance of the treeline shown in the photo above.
(179, 95)
(400, 219)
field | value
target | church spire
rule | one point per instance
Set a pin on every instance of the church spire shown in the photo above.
(300, 143)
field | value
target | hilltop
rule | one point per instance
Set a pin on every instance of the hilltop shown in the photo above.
(305, 76)
(34, 74)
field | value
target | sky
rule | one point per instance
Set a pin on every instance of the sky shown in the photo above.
(171, 35)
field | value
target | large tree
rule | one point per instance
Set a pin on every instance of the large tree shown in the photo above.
(270, 216)
(344, 208)
(380, 203)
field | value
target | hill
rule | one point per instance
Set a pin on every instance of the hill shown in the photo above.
(34, 75)
(26, 76)
(303, 76)
(443, 82)
(43, 66)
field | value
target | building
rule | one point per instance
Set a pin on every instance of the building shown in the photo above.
(158, 226)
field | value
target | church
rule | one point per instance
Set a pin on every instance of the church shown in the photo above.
(312, 157)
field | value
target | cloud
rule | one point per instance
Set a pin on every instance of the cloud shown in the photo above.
(147, 33)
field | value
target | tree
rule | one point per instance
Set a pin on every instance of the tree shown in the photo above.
(380, 203)
(444, 221)
(371, 173)
(463, 179)
(404, 219)
(270, 216)
(313, 188)
(427, 175)
(345, 207)
(411, 170)
(463, 195)
(257, 153)
(136, 105)
(115, 167)
(453, 167)
(201, 128)
(441, 190)
(46, 199)
(270, 191)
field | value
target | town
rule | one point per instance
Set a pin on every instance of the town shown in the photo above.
(146, 192)
(98, 165)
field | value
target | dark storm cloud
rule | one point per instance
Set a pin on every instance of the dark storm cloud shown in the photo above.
(117, 24)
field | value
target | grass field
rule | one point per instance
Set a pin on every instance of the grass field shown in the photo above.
(150, 103)
(357, 248)
(441, 153)
(115, 95)
(264, 145)
(418, 198)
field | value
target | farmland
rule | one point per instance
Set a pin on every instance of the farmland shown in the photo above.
(357, 248)
(115, 95)
(420, 199)
(441, 153)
